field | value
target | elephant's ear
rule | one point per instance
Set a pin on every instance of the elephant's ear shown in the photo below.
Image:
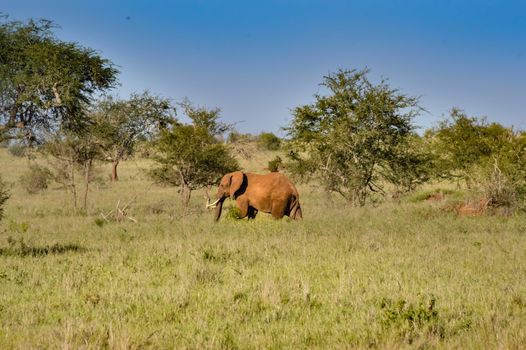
(236, 181)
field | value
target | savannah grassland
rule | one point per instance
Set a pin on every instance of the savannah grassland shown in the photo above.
(396, 275)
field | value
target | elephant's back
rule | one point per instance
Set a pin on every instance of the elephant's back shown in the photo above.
(275, 183)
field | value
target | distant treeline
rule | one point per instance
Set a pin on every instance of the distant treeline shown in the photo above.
(358, 140)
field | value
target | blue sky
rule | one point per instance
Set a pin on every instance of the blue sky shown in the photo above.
(257, 60)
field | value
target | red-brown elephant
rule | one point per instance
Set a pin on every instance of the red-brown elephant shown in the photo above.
(271, 193)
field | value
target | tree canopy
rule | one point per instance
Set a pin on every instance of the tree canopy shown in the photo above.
(119, 124)
(460, 142)
(488, 157)
(46, 82)
(356, 138)
(190, 155)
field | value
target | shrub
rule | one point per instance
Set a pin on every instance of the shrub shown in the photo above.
(412, 319)
(498, 190)
(275, 164)
(17, 150)
(269, 141)
(99, 222)
(190, 156)
(36, 179)
(234, 213)
(4, 196)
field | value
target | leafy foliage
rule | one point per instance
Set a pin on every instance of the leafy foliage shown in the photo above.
(275, 164)
(45, 82)
(269, 141)
(204, 118)
(460, 142)
(488, 157)
(357, 138)
(118, 125)
(412, 319)
(190, 155)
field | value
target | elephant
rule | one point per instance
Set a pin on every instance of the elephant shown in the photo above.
(270, 193)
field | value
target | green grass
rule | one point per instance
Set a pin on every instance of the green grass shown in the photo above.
(396, 276)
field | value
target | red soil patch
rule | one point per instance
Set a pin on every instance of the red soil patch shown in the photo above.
(475, 207)
(436, 197)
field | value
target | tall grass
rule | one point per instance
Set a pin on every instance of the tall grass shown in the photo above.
(403, 275)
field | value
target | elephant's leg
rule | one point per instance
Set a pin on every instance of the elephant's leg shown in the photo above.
(242, 204)
(278, 209)
(252, 212)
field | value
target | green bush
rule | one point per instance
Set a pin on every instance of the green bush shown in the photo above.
(4, 196)
(411, 319)
(36, 179)
(233, 213)
(269, 141)
(275, 164)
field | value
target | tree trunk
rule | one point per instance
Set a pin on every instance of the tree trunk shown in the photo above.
(73, 187)
(186, 192)
(87, 171)
(114, 176)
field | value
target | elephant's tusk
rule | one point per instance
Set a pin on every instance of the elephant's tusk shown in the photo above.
(213, 205)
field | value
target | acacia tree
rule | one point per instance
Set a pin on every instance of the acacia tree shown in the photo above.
(45, 83)
(120, 124)
(356, 138)
(73, 153)
(190, 155)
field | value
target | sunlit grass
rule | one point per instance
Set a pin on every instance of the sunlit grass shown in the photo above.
(395, 276)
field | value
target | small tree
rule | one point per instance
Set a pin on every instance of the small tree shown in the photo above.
(190, 155)
(4, 196)
(73, 153)
(269, 141)
(120, 124)
(410, 167)
(355, 137)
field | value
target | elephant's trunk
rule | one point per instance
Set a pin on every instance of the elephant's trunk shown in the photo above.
(218, 209)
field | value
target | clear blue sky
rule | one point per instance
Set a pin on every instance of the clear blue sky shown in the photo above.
(257, 60)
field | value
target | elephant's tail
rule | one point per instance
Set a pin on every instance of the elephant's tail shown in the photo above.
(295, 209)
